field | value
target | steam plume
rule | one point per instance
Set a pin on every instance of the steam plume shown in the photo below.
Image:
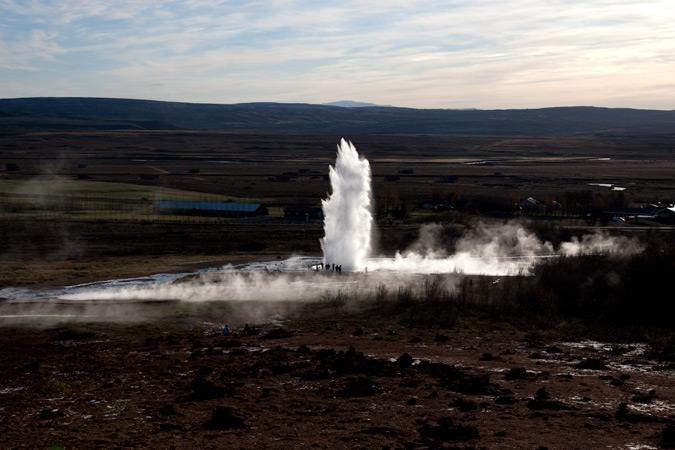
(347, 215)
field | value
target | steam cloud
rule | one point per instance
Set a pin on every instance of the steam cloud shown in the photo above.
(503, 250)
(499, 251)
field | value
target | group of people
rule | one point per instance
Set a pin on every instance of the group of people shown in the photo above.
(247, 331)
(329, 267)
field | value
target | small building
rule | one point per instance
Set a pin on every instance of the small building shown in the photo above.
(11, 167)
(531, 204)
(437, 206)
(648, 213)
(304, 213)
(666, 215)
(211, 209)
(392, 178)
(149, 176)
(406, 171)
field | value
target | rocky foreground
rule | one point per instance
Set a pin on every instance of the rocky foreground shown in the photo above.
(334, 384)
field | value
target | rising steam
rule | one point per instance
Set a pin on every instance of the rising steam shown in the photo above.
(508, 249)
(498, 251)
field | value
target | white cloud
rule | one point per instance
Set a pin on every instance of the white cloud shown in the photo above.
(483, 53)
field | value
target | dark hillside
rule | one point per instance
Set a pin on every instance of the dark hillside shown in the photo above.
(106, 113)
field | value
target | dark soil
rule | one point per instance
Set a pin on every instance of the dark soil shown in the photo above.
(311, 382)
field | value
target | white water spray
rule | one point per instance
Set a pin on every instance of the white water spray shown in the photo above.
(347, 215)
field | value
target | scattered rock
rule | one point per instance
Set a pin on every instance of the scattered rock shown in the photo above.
(361, 387)
(50, 414)
(170, 410)
(668, 437)
(464, 405)
(542, 394)
(489, 357)
(404, 361)
(538, 405)
(592, 364)
(516, 373)
(474, 385)
(279, 333)
(206, 386)
(645, 399)
(196, 354)
(506, 400)
(447, 431)
(227, 343)
(624, 414)
(224, 418)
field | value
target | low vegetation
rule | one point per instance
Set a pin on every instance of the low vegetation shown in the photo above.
(620, 298)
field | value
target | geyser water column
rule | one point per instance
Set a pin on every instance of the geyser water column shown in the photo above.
(347, 214)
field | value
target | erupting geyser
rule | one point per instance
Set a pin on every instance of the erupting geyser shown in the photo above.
(347, 214)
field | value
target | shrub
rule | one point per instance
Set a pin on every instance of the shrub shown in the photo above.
(405, 297)
(335, 299)
(380, 294)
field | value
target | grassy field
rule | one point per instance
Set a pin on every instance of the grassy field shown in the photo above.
(67, 199)
(99, 189)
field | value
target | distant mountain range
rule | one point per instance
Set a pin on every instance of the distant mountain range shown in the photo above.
(350, 104)
(342, 117)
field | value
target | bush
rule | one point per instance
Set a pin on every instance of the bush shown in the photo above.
(608, 289)
(380, 294)
(335, 299)
(405, 297)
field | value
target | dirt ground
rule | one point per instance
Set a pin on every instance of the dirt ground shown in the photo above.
(316, 377)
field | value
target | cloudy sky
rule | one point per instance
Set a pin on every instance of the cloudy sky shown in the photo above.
(424, 54)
